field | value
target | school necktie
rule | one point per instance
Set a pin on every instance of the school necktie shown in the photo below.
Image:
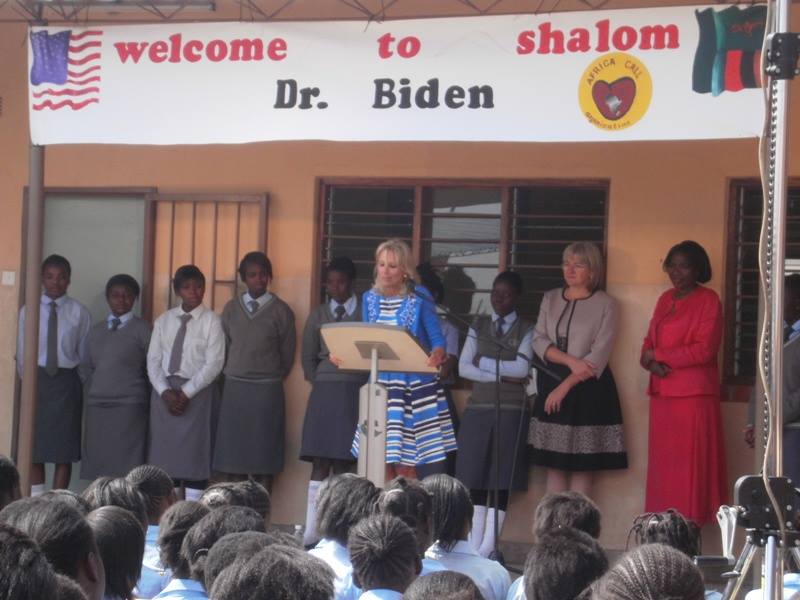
(253, 304)
(339, 310)
(499, 327)
(176, 356)
(115, 323)
(51, 361)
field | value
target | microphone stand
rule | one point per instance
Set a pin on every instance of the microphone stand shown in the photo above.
(538, 364)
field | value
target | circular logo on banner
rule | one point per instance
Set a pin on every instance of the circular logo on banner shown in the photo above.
(615, 91)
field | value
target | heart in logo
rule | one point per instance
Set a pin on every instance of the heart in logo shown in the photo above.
(614, 100)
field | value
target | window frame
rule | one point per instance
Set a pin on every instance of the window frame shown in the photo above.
(421, 184)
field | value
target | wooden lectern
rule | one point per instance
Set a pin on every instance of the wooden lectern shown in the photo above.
(374, 347)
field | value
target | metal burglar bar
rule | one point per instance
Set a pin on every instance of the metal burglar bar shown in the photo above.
(212, 231)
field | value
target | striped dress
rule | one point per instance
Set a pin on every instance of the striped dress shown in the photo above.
(419, 428)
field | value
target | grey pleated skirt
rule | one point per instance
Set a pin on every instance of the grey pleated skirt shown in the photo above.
(57, 437)
(331, 418)
(114, 437)
(475, 460)
(251, 428)
(182, 445)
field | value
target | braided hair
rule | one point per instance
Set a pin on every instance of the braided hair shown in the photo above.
(406, 499)
(669, 527)
(24, 570)
(452, 509)
(109, 491)
(653, 571)
(175, 523)
(256, 496)
(383, 552)
(155, 486)
(566, 509)
(223, 494)
(344, 500)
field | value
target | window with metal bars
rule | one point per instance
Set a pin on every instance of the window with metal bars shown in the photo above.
(742, 285)
(468, 231)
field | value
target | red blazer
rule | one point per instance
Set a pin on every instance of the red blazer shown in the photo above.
(685, 334)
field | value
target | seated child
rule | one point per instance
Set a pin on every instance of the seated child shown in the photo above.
(443, 585)
(9, 481)
(26, 572)
(452, 519)
(120, 540)
(175, 523)
(384, 555)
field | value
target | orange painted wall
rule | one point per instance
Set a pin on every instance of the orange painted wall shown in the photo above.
(661, 193)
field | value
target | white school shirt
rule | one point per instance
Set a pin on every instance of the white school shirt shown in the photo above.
(203, 349)
(337, 558)
(491, 578)
(350, 305)
(517, 590)
(74, 322)
(485, 371)
(381, 594)
(262, 299)
(124, 319)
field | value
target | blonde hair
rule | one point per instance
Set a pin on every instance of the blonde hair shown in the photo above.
(590, 254)
(403, 256)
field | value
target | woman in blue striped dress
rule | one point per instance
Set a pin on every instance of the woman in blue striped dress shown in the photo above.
(419, 428)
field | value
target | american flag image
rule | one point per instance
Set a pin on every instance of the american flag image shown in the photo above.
(66, 69)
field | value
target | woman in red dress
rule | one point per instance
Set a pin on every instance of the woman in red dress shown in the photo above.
(686, 458)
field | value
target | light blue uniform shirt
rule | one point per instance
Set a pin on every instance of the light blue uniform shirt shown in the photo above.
(381, 594)
(491, 578)
(155, 577)
(517, 590)
(183, 589)
(337, 558)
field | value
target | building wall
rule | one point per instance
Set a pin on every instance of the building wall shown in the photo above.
(661, 193)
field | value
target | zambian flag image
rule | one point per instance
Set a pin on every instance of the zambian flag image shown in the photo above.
(728, 57)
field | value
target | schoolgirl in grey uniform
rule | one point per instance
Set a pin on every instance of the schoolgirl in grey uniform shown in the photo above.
(332, 410)
(474, 465)
(261, 340)
(115, 371)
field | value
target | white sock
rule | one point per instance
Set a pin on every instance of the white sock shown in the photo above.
(193, 494)
(310, 536)
(478, 526)
(37, 489)
(487, 546)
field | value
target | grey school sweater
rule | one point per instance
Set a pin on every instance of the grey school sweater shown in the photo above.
(115, 362)
(314, 353)
(260, 345)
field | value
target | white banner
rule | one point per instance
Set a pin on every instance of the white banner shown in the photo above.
(646, 74)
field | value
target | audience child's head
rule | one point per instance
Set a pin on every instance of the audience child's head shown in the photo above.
(222, 494)
(9, 481)
(175, 523)
(234, 546)
(566, 509)
(216, 524)
(64, 537)
(452, 509)
(343, 500)
(156, 488)
(56, 274)
(275, 572)
(121, 294)
(669, 527)
(189, 284)
(25, 573)
(120, 540)
(384, 554)
(340, 275)
(654, 571)
(67, 589)
(69, 498)
(118, 491)
(561, 564)
(409, 501)
(255, 271)
(257, 497)
(443, 585)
